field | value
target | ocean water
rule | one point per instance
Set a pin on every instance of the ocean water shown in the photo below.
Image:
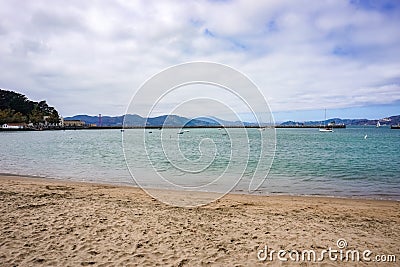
(306, 162)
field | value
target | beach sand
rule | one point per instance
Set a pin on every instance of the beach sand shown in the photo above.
(57, 223)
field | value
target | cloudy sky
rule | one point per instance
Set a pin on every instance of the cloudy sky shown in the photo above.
(89, 57)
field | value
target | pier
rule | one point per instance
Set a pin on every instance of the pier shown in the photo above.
(176, 127)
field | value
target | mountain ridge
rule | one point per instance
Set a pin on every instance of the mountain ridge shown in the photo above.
(392, 120)
(137, 120)
(175, 120)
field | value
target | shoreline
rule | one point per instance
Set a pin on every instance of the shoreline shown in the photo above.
(255, 194)
(46, 180)
(57, 223)
(159, 127)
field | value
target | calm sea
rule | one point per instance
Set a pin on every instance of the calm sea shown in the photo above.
(306, 162)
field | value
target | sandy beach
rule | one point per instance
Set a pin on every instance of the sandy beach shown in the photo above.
(47, 222)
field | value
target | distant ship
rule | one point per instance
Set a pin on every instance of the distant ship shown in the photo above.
(378, 124)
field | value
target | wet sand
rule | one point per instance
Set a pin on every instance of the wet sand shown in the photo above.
(47, 222)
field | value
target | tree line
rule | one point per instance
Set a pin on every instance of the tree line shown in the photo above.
(16, 107)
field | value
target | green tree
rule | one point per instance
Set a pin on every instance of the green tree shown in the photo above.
(15, 101)
(36, 116)
(6, 115)
(18, 117)
(54, 117)
(15, 107)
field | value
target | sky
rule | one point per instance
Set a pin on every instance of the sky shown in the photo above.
(90, 57)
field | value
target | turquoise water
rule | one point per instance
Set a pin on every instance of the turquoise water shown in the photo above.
(306, 161)
(343, 163)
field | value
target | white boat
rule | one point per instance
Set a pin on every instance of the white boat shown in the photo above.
(184, 131)
(378, 124)
(326, 129)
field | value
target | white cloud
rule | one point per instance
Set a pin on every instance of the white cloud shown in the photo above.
(89, 57)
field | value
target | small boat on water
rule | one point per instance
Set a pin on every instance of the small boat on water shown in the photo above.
(326, 129)
(395, 126)
(183, 131)
(378, 124)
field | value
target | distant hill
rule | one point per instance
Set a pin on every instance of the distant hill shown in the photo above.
(393, 120)
(106, 120)
(174, 120)
(224, 122)
(136, 120)
(178, 121)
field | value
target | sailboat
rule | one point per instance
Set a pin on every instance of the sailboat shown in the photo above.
(326, 129)
(378, 124)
